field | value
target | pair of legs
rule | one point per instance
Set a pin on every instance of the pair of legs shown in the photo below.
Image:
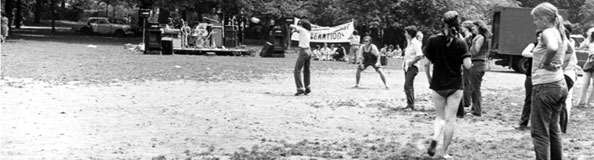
(547, 102)
(585, 85)
(466, 99)
(476, 73)
(303, 63)
(410, 73)
(525, 118)
(378, 69)
(446, 105)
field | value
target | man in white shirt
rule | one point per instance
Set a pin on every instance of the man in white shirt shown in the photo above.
(304, 59)
(412, 54)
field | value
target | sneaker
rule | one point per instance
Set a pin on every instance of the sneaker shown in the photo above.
(307, 91)
(431, 149)
(299, 92)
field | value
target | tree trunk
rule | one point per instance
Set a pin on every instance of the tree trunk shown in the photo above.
(18, 18)
(62, 9)
(53, 12)
(106, 9)
(8, 12)
(38, 4)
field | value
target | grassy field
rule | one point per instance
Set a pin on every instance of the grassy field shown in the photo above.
(65, 58)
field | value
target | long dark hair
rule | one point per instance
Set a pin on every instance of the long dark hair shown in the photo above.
(452, 21)
(482, 28)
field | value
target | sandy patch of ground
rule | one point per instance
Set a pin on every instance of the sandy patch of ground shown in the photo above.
(186, 118)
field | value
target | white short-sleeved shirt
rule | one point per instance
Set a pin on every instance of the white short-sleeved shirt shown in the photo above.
(304, 36)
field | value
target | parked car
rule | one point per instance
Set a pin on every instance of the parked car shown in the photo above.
(103, 25)
(582, 55)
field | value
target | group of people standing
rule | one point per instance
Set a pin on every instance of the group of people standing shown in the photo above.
(458, 55)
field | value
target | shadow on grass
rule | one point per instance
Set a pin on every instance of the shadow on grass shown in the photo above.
(65, 35)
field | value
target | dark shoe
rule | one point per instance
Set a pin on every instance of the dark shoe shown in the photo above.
(523, 128)
(307, 91)
(412, 107)
(460, 116)
(431, 149)
(476, 114)
(299, 92)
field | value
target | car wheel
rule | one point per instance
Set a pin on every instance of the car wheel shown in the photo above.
(120, 33)
(86, 31)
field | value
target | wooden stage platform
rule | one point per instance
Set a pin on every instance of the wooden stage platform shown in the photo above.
(204, 51)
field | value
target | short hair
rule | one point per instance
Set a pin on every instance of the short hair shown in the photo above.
(355, 32)
(305, 23)
(368, 38)
(411, 31)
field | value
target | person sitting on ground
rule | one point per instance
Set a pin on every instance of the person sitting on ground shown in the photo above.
(370, 57)
(397, 52)
(383, 50)
(339, 53)
(326, 52)
(390, 51)
(317, 54)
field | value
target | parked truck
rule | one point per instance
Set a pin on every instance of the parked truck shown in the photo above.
(513, 29)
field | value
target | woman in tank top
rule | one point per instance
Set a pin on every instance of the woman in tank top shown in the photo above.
(549, 89)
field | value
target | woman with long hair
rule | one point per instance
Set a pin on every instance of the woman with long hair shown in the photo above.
(549, 89)
(448, 52)
(479, 50)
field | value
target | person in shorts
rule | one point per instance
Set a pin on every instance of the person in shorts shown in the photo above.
(447, 52)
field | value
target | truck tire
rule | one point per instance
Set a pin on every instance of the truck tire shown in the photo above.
(120, 33)
(86, 30)
(523, 65)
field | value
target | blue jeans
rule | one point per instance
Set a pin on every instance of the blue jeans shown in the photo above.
(303, 62)
(547, 101)
(409, 80)
(476, 74)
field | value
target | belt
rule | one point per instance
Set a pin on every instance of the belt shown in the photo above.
(478, 60)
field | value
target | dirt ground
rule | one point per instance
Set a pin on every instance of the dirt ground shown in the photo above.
(47, 115)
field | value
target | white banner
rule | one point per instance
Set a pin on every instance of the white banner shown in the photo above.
(336, 34)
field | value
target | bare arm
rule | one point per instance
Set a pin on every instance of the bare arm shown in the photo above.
(551, 41)
(428, 70)
(527, 52)
(467, 62)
